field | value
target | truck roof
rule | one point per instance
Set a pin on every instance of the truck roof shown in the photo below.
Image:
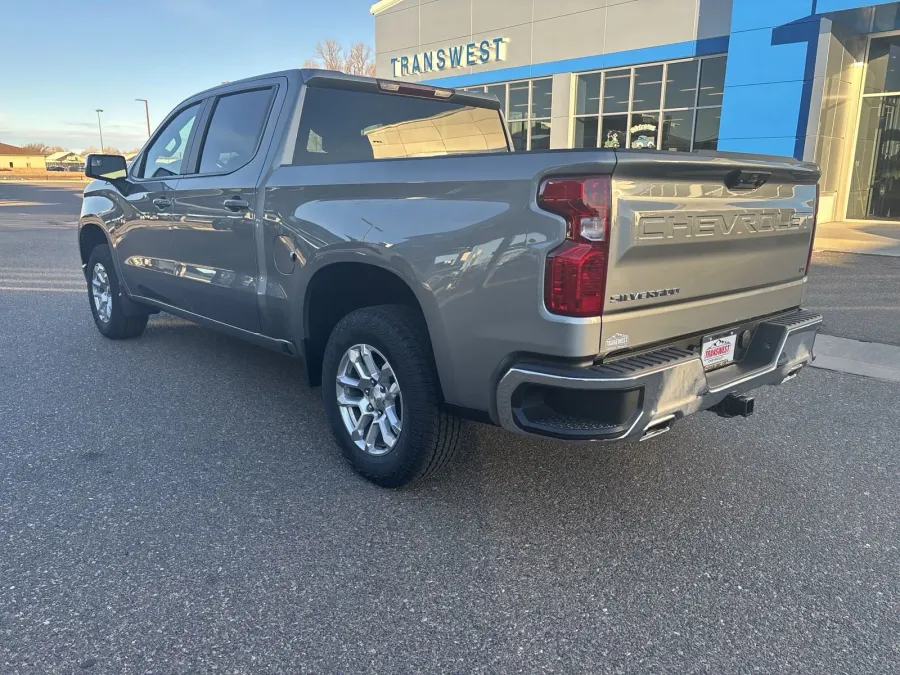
(338, 80)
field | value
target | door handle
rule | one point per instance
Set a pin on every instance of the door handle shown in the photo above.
(161, 203)
(236, 204)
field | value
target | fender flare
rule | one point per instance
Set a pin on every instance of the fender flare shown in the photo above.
(400, 268)
(129, 306)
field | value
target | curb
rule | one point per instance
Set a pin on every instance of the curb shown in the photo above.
(869, 359)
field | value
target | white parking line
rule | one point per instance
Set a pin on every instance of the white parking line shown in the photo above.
(39, 279)
(21, 224)
(60, 270)
(870, 359)
(45, 281)
(44, 274)
(42, 290)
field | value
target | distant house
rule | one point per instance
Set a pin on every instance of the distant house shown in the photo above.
(66, 160)
(14, 158)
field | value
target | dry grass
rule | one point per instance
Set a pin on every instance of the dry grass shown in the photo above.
(41, 174)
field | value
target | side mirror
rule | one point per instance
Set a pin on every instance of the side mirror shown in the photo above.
(105, 167)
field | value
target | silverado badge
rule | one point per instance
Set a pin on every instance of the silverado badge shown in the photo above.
(643, 295)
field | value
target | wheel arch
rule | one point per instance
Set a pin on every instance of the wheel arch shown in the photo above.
(342, 286)
(90, 235)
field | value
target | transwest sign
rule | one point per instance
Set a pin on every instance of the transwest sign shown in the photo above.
(448, 58)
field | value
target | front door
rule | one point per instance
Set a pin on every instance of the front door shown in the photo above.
(144, 238)
(216, 206)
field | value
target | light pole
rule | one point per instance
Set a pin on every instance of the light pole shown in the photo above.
(100, 127)
(147, 112)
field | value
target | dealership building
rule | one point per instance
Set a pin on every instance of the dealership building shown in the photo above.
(815, 79)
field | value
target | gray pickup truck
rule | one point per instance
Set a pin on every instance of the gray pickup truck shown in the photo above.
(387, 234)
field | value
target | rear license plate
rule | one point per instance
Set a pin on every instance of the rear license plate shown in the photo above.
(718, 350)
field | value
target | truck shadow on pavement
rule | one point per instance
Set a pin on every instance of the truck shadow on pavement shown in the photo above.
(262, 391)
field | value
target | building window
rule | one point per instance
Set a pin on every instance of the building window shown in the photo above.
(875, 180)
(671, 106)
(527, 108)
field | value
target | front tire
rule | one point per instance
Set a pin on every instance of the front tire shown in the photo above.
(104, 294)
(382, 398)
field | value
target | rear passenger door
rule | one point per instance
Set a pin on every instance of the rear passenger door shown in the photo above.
(215, 203)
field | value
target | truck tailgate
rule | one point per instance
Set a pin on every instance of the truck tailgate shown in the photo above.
(700, 242)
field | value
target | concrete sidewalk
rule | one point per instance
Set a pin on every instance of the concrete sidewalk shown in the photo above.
(881, 238)
(870, 359)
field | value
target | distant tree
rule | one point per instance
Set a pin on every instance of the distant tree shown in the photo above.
(360, 60)
(38, 148)
(43, 148)
(108, 150)
(329, 55)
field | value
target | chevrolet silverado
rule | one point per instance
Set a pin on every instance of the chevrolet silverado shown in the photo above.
(387, 234)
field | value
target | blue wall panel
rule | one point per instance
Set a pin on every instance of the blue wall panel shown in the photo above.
(839, 5)
(761, 111)
(762, 146)
(752, 14)
(767, 55)
(769, 76)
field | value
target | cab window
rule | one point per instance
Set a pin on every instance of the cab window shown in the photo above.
(166, 156)
(353, 126)
(235, 128)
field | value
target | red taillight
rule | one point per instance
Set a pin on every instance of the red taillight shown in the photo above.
(575, 278)
(812, 238)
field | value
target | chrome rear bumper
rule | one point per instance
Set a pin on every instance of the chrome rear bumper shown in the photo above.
(640, 396)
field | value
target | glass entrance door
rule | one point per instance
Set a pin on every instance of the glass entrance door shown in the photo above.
(875, 183)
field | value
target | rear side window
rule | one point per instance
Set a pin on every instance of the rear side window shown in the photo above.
(234, 131)
(351, 126)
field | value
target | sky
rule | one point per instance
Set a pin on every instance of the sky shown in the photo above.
(62, 59)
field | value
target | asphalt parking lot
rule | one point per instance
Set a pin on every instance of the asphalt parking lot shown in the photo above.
(857, 294)
(175, 504)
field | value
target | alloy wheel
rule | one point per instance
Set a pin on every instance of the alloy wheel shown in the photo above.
(101, 293)
(370, 401)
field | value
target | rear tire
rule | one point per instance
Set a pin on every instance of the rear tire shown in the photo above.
(418, 438)
(105, 299)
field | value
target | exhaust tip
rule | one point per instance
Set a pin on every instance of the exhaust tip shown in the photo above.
(657, 428)
(791, 375)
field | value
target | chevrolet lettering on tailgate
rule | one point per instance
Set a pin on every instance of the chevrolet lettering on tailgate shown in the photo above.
(683, 225)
